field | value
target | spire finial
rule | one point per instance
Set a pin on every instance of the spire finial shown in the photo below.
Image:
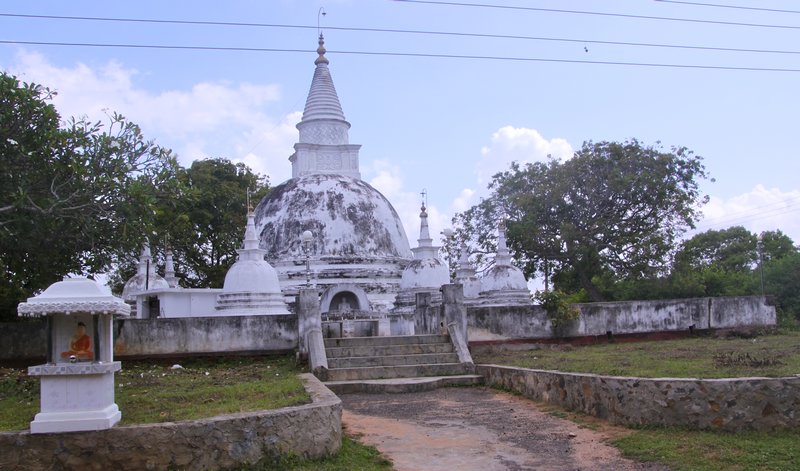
(321, 51)
(249, 203)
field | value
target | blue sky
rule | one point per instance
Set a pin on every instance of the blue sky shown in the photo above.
(442, 124)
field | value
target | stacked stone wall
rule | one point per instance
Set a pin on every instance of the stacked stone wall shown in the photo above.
(761, 404)
(224, 442)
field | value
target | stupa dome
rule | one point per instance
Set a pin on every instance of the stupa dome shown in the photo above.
(503, 278)
(429, 273)
(251, 276)
(349, 218)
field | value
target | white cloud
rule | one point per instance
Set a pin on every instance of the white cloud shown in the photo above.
(210, 119)
(388, 179)
(758, 210)
(510, 144)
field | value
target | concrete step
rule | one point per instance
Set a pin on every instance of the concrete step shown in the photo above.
(392, 360)
(388, 350)
(401, 371)
(402, 385)
(385, 341)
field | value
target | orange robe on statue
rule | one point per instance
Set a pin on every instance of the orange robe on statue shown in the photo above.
(80, 347)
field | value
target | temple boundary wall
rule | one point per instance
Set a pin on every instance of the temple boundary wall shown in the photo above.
(731, 404)
(180, 337)
(223, 442)
(625, 317)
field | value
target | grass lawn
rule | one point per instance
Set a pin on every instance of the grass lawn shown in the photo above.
(699, 357)
(151, 391)
(148, 391)
(701, 451)
(683, 449)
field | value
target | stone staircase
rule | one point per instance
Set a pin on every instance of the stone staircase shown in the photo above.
(394, 364)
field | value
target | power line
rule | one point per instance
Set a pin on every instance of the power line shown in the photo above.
(786, 206)
(598, 13)
(736, 7)
(404, 31)
(406, 54)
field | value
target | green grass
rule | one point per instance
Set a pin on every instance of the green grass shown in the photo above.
(353, 456)
(149, 392)
(694, 450)
(700, 357)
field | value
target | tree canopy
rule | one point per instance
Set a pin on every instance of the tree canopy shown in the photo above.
(74, 195)
(613, 209)
(205, 226)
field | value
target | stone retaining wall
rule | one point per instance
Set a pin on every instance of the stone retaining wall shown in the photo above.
(762, 404)
(224, 442)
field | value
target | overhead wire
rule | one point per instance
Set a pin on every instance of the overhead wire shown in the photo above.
(402, 31)
(599, 13)
(735, 7)
(786, 206)
(407, 54)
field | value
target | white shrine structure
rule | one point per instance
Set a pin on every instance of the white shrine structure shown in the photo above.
(359, 254)
(77, 389)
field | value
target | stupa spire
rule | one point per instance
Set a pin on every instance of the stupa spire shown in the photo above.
(322, 127)
(323, 101)
(251, 240)
(503, 257)
(145, 259)
(425, 247)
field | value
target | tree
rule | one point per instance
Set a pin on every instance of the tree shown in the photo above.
(205, 226)
(725, 262)
(612, 210)
(73, 196)
(729, 250)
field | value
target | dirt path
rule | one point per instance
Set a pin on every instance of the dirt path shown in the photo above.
(476, 429)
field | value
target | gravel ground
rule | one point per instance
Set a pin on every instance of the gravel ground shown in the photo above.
(477, 429)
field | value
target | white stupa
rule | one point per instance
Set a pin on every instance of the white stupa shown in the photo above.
(251, 285)
(425, 274)
(145, 279)
(504, 283)
(359, 248)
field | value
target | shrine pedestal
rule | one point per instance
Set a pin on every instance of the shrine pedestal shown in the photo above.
(76, 397)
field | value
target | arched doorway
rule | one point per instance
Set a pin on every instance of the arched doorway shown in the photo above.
(344, 297)
(344, 301)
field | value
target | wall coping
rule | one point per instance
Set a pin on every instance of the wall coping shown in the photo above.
(640, 378)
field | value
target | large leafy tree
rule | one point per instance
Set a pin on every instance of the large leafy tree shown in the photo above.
(74, 195)
(205, 226)
(614, 210)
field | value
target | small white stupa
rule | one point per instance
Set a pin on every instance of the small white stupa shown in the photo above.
(504, 283)
(425, 274)
(465, 275)
(145, 279)
(251, 284)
